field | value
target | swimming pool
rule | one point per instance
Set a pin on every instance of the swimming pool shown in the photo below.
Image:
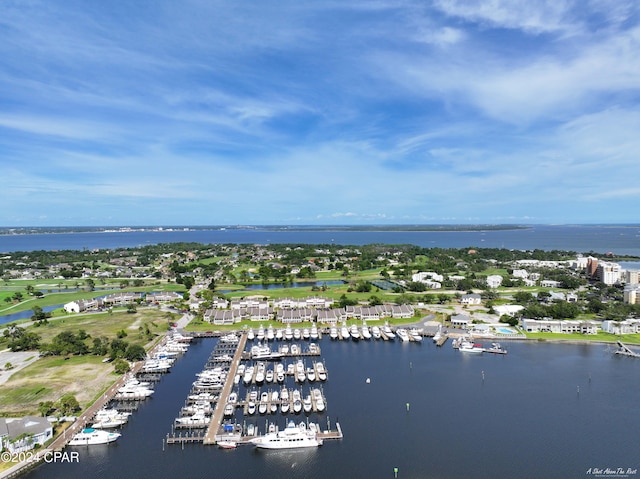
(506, 331)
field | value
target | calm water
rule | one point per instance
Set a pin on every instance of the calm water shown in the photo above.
(601, 239)
(526, 419)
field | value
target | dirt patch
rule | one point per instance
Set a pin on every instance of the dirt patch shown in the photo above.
(48, 379)
(18, 360)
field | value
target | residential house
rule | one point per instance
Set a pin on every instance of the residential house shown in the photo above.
(22, 434)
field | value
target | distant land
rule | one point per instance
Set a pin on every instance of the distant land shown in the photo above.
(25, 230)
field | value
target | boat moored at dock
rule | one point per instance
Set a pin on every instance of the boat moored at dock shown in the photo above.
(91, 436)
(292, 437)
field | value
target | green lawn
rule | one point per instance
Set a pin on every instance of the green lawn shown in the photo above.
(605, 337)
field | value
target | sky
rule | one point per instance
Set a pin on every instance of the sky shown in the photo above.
(205, 112)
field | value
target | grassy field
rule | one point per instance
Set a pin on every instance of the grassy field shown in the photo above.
(604, 337)
(108, 325)
(49, 378)
(50, 299)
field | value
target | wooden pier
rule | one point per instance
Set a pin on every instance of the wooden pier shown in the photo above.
(218, 412)
(443, 339)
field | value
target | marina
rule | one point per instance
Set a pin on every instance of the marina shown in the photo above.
(444, 387)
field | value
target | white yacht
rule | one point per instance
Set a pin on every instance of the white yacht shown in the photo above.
(271, 334)
(311, 374)
(300, 372)
(251, 335)
(388, 333)
(260, 334)
(297, 401)
(415, 335)
(274, 402)
(260, 373)
(279, 334)
(344, 331)
(467, 346)
(403, 335)
(321, 371)
(375, 332)
(353, 331)
(109, 418)
(280, 373)
(319, 400)
(307, 404)
(269, 375)
(251, 407)
(297, 334)
(292, 437)
(91, 436)
(306, 334)
(288, 333)
(333, 332)
(284, 397)
(314, 333)
(366, 333)
(264, 403)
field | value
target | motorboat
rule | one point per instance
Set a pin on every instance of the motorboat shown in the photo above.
(353, 331)
(388, 332)
(292, 437)
(273, 407)
(319, 400)
(271, 334)
(264, 403)
(228, 409)
(468, 346)
(227, 444)
(344, 331)
(251, 407)
(375, 332)
(280, 373)
(248, 375)
(268, 376)
(297, 401)
(288, 333)
(260, 372)
(321, 371)
(300, 372)
(307, 405)
(91, 436)
(284, 400)
(311, 374)
(199, 419)
(313, 334)
(110, 418)
(306, 334)
(365, 332)
(496, 349)
(415, 335)
(297, 334)
(260, 334)
(251, 335)
(403, 335)
(333, 332)
(279, 334)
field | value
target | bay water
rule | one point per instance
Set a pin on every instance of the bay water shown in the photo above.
(542, 410)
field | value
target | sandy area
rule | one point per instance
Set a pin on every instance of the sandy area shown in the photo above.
(19, 360)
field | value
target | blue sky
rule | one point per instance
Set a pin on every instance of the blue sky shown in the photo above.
(320, 112)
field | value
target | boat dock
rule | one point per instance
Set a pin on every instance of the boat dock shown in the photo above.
(625, 351)
(218, 412)
(442, 339)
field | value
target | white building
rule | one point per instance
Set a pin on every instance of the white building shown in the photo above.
(631, 293)
(507, 309)
(628, 326)
(471, 298)
(422, 277)
(22, 434)
(520, 273)
(609, 273)
(560, 326)
(494, 281)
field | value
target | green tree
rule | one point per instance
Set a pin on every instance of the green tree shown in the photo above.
(45, 408)
(68, 405)
(135, 352)
(120, 366)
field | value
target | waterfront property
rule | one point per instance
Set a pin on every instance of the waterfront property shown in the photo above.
(23, 434)
(560, 326)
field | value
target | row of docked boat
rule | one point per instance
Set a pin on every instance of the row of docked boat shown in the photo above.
(365, 332)
(175, 345)
(283, 400)
(259, 373)
(288, 333)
